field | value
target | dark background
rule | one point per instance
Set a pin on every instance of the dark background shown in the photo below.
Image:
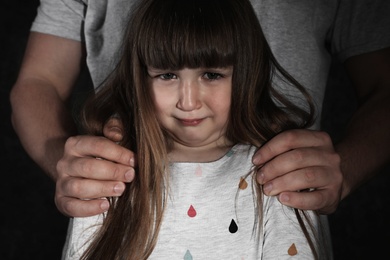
(32, 228)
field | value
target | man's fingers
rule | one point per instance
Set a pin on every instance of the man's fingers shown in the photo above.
(290, 140)
(100, 147)
(78, 197)
(297, 161)
(311, 200)
(81, 208)
(113, 129)
(293, 160)
(91, 168)
(303, 200)
(89, 189)
(302, 179)
(99, 169)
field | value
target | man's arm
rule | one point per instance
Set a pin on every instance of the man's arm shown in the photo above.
(39, 98)
(366, 146)
(303, 159)
(41, 118)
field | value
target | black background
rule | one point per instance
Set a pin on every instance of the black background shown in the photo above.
(32, 228)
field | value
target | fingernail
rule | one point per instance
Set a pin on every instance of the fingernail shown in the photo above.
(132, 161)
(104, 205)
(115, 129)
(119, 188)
(284, 198)
(129, 175)
(260, 178)
(267, 188)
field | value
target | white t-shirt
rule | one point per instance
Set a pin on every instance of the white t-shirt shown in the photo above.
(209, 215)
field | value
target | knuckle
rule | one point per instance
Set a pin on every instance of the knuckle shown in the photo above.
(316, 202)
(60, 167)
(324, 137)
(116, 173)
(66, 206)
(289, 137)
(106, 189)
(265, 150)
(103, 189)
(324, 200)
(71, 142)
(309, 174)
(298, 200)
(303, 202)
(74, 187)
(124, 155)
(60, 187)
(335, 157)
(86, 166)
(98, 145)
(268, 168)
(297, 155)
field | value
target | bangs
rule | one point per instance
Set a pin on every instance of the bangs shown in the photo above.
(187, 33)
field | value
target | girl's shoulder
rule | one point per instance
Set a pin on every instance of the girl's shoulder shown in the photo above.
(242, 151)
(244, 148)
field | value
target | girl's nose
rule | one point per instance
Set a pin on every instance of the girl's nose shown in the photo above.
(189, 96)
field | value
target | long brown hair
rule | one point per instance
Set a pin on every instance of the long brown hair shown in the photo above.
(173, 34)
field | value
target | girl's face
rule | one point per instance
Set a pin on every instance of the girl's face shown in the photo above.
(193, 105)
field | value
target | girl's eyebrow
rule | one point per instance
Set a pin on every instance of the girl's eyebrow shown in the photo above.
(221, 69)
(155, 71)
(152, 69)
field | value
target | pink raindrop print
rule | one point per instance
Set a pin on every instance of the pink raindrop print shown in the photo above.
(198, 171)
(191, 212)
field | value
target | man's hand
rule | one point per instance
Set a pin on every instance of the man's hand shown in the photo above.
(302, 168)
(91, 169)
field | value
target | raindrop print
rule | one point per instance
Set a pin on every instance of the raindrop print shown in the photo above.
(243, 184)
(230, 153)
(191, 212)
(292, 250)
(188, 255)
(233, 227)
(198, 171)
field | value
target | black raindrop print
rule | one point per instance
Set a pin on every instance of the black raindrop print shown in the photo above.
(233, 227)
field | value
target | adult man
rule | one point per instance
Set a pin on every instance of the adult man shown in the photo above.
(67, 32)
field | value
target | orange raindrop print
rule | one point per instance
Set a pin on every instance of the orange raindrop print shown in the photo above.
(243, 184)
(292, 250)
(191, 212)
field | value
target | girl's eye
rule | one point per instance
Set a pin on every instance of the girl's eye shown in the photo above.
(167, 76)
(212, 75)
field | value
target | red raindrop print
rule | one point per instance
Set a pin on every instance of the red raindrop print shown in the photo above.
(191, 212)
